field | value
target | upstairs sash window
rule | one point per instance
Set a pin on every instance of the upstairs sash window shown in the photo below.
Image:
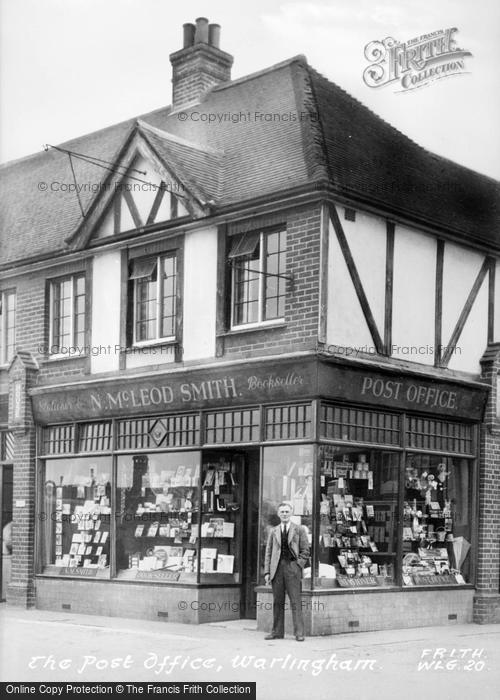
(258, 277)
(67, 313)
(154, 282)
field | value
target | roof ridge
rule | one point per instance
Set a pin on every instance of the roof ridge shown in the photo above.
(396, 130)
(177, 139)
(299, 58)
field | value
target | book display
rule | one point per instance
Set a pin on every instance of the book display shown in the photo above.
(76, 537)
(163, 534)
(434, 546)
(356, 520)
(220, 531)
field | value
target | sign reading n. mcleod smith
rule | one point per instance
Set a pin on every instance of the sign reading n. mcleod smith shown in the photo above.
(185, 390)
(256, 383)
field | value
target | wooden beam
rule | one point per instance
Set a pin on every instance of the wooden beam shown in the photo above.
(438, 305)
(156, 204)
(389, 284)
(491, 301)
(179, 309)
(117, 208)
(356, 280)
(457, 332)
(323, 276)
(132, 208)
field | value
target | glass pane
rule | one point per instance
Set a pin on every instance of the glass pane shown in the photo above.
(275, 286)
(220, 536)
(287, 477)
(157, 516)
(436, 521)
(168, 297)
(357, 517)
(246, 290)
(75, 516)
(145, 309)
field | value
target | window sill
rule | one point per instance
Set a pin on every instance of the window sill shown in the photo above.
(253, 329)
(151, 343)
(61, 358)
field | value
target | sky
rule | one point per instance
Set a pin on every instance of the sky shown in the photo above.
(69, 67)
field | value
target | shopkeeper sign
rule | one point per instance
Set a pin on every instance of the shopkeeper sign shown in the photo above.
(213, 387)
(254, 383)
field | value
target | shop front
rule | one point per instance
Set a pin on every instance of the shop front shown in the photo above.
(156, 493)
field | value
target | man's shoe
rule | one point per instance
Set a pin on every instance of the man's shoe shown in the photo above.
(299, 638)
(273, 636)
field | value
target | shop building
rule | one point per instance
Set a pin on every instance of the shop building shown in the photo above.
(289, 300)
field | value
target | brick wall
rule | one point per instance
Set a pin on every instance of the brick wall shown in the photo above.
(487, 598)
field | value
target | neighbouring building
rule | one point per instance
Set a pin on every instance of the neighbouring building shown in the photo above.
(262, 292)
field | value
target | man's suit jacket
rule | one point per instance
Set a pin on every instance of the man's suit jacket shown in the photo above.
(297, 542)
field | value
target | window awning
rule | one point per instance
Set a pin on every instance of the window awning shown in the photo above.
(143, 267)
(244, 245)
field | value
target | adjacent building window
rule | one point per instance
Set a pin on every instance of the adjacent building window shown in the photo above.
(154, 282)
(7, 326)
(67, 313)
(258, 279)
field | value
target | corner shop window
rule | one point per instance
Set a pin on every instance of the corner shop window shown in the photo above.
(75, 514)
(287, 476)
(357, 517)
(436, 520)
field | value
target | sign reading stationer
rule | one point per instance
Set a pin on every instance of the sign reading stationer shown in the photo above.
(255, 383)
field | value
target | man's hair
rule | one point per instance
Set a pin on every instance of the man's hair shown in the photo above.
(286, 505)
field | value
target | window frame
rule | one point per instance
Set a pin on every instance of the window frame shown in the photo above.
(5, 358)
(158, 339)
(52, 344)
(262, 274)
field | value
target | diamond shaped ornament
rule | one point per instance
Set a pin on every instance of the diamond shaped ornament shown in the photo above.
(158, 432)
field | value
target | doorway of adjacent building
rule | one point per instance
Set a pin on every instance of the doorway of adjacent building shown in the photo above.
(6, 493)
(247, 477)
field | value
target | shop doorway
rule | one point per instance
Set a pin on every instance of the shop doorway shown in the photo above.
(245, 544)
(6, 493)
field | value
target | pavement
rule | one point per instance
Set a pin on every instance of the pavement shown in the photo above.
(428, 663)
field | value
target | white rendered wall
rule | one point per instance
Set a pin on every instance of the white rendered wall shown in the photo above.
(414, 296)
(346, 324)
(106, 284)
(367, 239)
(473, 340)
(200, 293)
(460, 269)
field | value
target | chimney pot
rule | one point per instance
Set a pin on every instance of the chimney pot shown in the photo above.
(189, 30)
(214, 35)
(201, 33)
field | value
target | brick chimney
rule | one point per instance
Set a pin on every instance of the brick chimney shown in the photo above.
(200, 64)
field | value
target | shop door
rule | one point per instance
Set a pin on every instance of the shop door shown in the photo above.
(250, 536)
(6, 491)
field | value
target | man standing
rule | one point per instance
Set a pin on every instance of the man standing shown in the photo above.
(287, 552)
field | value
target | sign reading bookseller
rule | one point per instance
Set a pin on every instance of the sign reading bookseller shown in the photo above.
(254, 383)
(356, 581)
(213, 387)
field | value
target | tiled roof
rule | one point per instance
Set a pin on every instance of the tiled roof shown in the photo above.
(251, 138)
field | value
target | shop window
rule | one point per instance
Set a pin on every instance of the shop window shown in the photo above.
(359, 425)
(288, 422)
(258, 277)
(357, 514)
(233, 426)
(7, 326)
(67, 314)
(58, 439)
(154, 298)
(95, 437)
(287, 476)
(158, 508)
(150, 433)
(220, 528)
(436, 520)
(439, 435)
(75, 514)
